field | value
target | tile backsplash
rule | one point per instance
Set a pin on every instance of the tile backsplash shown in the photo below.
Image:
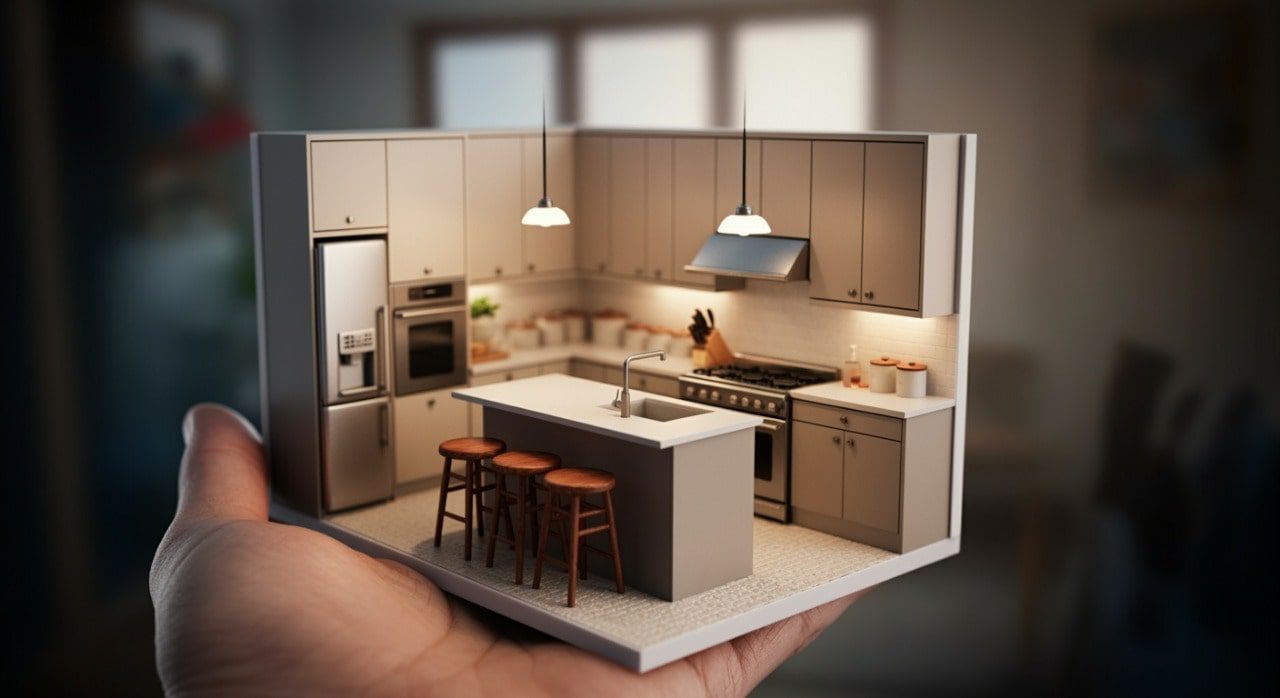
(767, 318)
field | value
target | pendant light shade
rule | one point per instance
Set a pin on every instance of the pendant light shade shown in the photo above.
(742, 221)
(545, 214)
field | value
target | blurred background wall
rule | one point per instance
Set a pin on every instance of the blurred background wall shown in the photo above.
(1121, 490)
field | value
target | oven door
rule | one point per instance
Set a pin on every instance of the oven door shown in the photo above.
(772, 457)
(430, 348)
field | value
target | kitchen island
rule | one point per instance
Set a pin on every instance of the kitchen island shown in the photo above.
(683, 500)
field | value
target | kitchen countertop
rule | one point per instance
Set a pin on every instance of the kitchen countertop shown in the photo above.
(888, 404)
(610, 356)
(579, 403)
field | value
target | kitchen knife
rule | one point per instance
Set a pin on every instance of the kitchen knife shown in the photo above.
(701, 319)
(711, 316)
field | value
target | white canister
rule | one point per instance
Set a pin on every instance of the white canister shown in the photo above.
(911, 379)
(659, 340)
(634, 337)
(883, 374)
(552, 327)
(681, 344)
(522, 335)
(575, 326)
(606, 329)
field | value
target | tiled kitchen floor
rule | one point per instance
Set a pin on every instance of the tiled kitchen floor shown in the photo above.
(788, 560)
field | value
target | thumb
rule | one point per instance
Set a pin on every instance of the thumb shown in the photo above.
(224, 474)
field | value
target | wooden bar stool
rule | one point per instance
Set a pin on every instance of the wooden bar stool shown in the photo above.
(577, 483)
(473, 451)
(523, 466)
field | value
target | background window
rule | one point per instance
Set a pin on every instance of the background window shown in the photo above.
(653, 78)
(495, 81)
(811, 74)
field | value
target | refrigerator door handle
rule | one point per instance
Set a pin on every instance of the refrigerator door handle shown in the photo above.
(381, 349)
(384, 426)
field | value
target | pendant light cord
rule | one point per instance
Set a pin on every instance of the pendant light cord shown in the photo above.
(544, 145)
(744, 150)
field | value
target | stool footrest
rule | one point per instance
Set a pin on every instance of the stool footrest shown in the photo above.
(593, 529)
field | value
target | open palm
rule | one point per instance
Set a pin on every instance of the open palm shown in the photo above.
(244, 605)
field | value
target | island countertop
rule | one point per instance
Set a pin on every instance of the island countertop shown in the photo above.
(582, 403)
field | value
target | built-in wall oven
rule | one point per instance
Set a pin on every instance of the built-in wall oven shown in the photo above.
(430, 333)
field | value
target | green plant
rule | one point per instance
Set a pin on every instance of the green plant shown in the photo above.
(483, 307)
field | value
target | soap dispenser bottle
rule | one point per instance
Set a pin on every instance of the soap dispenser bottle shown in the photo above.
(852, 372)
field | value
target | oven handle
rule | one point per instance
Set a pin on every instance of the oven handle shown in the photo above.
(771, 426)
(406, 314)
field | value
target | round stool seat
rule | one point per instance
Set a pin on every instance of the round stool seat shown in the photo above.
(579, 480)
(468, 448)
(525, 462)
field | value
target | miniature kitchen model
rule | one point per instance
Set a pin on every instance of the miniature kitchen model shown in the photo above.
(705, 482)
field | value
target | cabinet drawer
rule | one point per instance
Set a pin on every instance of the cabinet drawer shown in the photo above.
(659, 385)
(851, 420)
(348, 185)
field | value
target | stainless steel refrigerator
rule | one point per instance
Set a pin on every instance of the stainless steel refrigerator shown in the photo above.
(357, 462)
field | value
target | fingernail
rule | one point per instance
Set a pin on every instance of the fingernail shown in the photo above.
(188, 427)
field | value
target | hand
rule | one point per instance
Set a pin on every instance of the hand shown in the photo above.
(244, 605)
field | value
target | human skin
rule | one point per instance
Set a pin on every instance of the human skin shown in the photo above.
(247, 606)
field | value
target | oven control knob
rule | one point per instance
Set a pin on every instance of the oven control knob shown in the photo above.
(702, 394)
(756, 404)
(772, 407)
(688, 390)
(715, 395)
(733, 399)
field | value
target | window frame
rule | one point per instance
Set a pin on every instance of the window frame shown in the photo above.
(566, 29)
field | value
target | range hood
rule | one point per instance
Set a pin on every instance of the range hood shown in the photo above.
(768, 257)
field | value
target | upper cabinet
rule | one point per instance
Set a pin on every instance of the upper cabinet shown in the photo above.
(592, 175)
(693, 203)
(549, 249)
(494, 196)
(348, 185)
(426, 237)
(883, 223)
(658, 194)
(628, 206)
(729, 176)
(784, 186)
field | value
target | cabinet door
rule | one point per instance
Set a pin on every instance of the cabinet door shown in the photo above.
(693, 203)
(549, 249)
(658, 222)
(613, 376)
(660, 385)
(423, 420)
(587, 370)
(784, 186)
(835, 244)
(592, 175)
(554, 367)
(348, 185)
(892, 225)
(872, 481)
(494, 208)
(817, 468)
(729, 175)
(627, 203)
(426, 237)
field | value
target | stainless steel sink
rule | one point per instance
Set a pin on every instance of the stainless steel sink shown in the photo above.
(659, 410)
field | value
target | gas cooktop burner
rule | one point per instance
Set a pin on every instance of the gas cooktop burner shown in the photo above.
(777, 377)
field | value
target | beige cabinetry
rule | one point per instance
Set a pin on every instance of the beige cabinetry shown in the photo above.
(494, 207)
(653, 383)
(348, 185)
(592, 181)
(784, 186)
(627, 207)
(870, 478)
(693, 203)
(422, 421)
(586, 369)
(658, 220)
(426, 236)
(476, 412)
(549, 249)
(883, 223)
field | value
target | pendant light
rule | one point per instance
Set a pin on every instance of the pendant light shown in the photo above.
(742, 221)
(545, 213)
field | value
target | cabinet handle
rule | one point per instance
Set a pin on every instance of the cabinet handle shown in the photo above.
(351, 219)
(426, 271)
(431, 402)
(602, 266)
(844, 419)
(497, 271)
(835, 440)
(851, 442)
(853, 292)
(657, 273)
(510, 376)
(639, 271)
(531, 267)
(869, 295)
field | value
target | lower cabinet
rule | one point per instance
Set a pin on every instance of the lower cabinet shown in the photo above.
(586, 369)
(422, 421)
(891, 489)
(658, 385)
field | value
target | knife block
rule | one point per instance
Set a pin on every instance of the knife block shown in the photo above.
(718, 352)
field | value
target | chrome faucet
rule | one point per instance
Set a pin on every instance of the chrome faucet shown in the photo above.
(623, 399)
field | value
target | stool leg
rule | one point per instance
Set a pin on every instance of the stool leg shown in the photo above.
(479, 475)
(522, 483)
(575, 505)
(499, 493)
(613, 541)
(542, 539)
(511, 532)
(445, 478)
(466, 517)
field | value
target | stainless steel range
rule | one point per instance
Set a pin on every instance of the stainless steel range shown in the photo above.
(759, 385)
